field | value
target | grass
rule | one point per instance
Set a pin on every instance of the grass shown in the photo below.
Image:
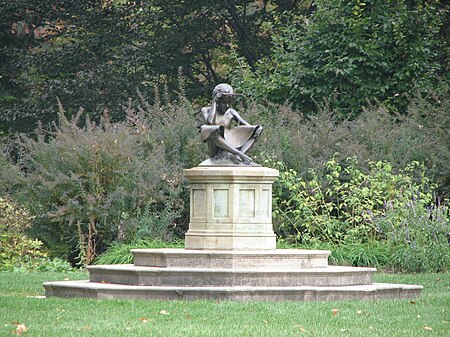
(427, 316)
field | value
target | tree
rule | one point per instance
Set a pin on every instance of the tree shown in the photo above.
(348, 52)
(74, 51)
(96, 53)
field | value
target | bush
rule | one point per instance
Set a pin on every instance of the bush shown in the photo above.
(375, 135)
(90, 184)
(13, 218)
(378, 218)
(417, 236)
(18, 252)
(342, 205)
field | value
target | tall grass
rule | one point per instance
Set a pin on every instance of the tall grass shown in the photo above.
(120, 253)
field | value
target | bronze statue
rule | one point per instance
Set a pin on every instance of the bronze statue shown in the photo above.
(227, 145)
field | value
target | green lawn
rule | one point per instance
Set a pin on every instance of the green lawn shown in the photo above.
(20, 304)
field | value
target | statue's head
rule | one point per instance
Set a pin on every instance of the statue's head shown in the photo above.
(223, 88)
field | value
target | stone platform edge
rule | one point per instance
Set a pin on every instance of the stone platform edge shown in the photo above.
(255, 259)
(85, 289)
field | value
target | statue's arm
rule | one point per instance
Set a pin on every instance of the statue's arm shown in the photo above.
(205, 113)
(238, 118)
(211, 115)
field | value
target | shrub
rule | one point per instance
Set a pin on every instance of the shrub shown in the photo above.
(13, 218)
(417, 236)
(15, 246)
(380, 218)
(305, 143)
(10, 174)
(343, 204)
(18, 252)
(90, 184)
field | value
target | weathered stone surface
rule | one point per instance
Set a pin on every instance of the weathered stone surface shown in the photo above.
(205, 277)
(272, 259)
(189, 275)
(231, 208)
(304, 293)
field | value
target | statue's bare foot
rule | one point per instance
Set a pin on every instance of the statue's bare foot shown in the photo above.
(235, 159)
(245, 159)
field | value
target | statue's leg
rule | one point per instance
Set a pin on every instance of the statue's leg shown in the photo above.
(224, 145)
(212, 149)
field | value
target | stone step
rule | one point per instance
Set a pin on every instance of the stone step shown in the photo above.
(265, 259)
(303, 293)
(204, 277)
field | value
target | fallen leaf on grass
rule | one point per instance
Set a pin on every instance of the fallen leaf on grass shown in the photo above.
(428, 328)
(163, 312)
(21, 328)
(302, 329)
(144, 319)
(335, 312)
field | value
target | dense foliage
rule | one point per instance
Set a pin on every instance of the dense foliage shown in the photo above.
(97, 53)
(346, 204)
(391, 212)
(349, 52)
(329, 80)
(19, 252)
(97, 183)
(89, 185)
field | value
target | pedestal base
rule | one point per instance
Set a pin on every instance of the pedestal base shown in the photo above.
(281, 275)
(230, 255)
(231, 208)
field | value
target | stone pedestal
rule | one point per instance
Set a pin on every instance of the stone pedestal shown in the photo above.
(230, 255)
(231, 208)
